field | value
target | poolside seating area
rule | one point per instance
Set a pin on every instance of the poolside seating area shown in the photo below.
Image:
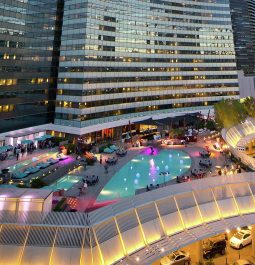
(205, 154)
(52, 161)
(111, 160)
(19, 174)
(152, 187)
(182, 179)
(108, 150)
(121, 152)
(43, 165)
(61, 156)
(111, 149)
(31, 170)
(205, 163)
(114, 147)
(91, 180)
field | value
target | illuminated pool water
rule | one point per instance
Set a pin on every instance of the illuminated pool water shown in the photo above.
(144, 170)
(66, 183)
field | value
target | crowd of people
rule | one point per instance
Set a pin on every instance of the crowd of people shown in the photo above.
(22, 150)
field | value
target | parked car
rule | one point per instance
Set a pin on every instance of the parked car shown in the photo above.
(176, 258)
(243, 262)
(213, 247)
(241, 239)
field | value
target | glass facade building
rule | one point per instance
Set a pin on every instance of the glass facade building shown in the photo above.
(29, 39)
(130, 58)
(243, 21)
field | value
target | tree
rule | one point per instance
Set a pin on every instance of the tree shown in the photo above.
(249, 106)
(210, 125)
(229, 113)
(176, 132)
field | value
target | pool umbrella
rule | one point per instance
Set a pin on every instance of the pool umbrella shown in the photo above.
(47, 136)
(26, 141)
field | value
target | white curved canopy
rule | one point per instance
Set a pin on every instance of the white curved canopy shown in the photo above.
(138, 227)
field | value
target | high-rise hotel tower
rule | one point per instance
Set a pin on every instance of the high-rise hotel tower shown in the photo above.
(124, 60)
(29, 48)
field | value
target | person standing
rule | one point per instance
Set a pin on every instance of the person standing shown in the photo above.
(85, 186)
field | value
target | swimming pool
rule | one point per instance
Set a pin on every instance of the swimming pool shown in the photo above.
(143, 170)
(66, 182)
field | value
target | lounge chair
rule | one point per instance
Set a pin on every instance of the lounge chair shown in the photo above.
(61, 157)
(43, 165)
(31, 170)
(19, 175)
(121, 152)
(114, 147)
(52, 161)
(108, 150)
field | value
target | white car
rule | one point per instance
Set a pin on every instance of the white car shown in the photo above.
(241, 239)
(176, 258)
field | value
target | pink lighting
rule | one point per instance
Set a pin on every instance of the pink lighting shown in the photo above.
(152, 163)
(150, 151)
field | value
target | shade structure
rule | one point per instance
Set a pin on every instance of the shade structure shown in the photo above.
(38, 139)
(47, 136)
(44, 137)
(238, 137)
(168, 218)
(26, 142)
(5, 148)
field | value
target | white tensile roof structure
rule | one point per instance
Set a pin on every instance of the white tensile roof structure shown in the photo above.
(136, 228)
(238, 137)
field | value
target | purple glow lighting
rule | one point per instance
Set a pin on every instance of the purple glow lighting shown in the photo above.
(152, 163)
(66, 161)
(148, 151)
